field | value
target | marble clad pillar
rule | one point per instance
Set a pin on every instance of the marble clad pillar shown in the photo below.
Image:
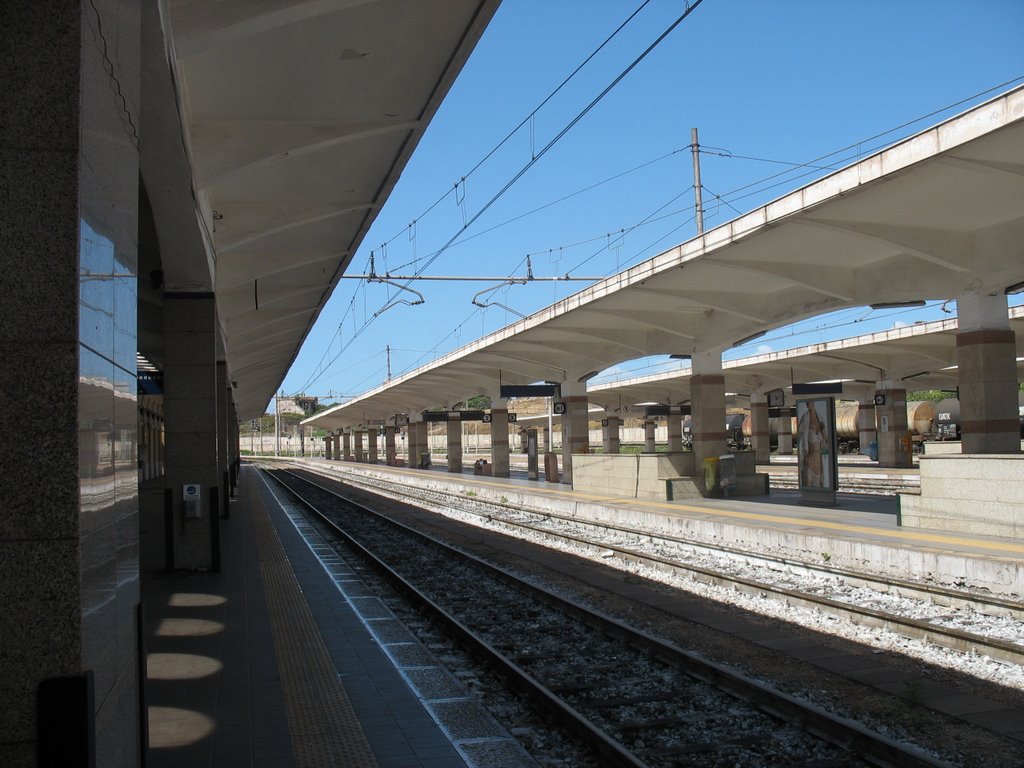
(223, 452)
(371, 445)
(650, 431)
(190, 408)
(417, 440)
(760, 436)
(987, 375)
(784, 433)
(575, 425)
(328, 447)
(675, 432)
(389, 445)
(346, 443)
(611, 434)
(358, 440)
(454, 432)
(866, 433)
(69, 521)
(894, 444)
(499, 437)
(707, 403)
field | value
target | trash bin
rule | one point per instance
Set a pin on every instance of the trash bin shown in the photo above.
(873, 451)
(480, 467)
(727, 472)
(710, 473)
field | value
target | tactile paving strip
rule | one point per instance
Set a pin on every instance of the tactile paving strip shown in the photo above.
(323, 724)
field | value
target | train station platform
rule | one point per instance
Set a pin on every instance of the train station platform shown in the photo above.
(268, 664)
(862, 532)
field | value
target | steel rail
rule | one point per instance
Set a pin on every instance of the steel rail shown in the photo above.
(843, 732)
(612, 752)
(954, 639)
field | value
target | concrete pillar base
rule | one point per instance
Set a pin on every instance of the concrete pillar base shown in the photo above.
(987, 374)
(760, 437)
(499, 442)
(611, 434)
(707, 398)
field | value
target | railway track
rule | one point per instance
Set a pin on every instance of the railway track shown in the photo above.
(912, 609)
(637, 700)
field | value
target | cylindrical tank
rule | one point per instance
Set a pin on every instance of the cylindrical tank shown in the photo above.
(947, 419)
(846, 421)
(920, 415)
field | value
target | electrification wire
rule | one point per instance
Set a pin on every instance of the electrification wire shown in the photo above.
(690, 7)
(512, 133)
(558, 137)
(530, 116)
(728, 196)
(732, 195)
(562, 199)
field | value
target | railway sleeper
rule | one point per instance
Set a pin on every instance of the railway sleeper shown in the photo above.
(643, 698)
(665, 721)
(703, 747)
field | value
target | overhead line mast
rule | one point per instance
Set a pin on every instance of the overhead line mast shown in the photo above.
(698, 202)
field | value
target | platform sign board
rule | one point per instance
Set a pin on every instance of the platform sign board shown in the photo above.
(816, 450)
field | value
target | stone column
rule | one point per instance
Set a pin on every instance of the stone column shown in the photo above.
(328, 447)
(69, 517)
(650, 443)
(784, 433)
(415, 441)
(390, 451)
(548, 447)
(522, 440)
(346, 442)
(611, 434)
(234, 439)
(575, 426)
(987, 375)
(894, 446)
(358, 439)
(454, 442)
(371, 445)
(707, 403)
(499, 437)
(675, 432)
(190, 406)
(866, 427)
(760, 437)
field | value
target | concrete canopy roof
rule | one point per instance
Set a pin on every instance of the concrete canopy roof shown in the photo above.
(935, 216)
(299, 116)
(919, 356)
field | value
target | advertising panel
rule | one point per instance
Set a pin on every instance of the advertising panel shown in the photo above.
(816, 449)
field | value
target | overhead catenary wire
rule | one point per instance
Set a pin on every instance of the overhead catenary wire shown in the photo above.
(691, 5)
(528, 119)
(755, 187)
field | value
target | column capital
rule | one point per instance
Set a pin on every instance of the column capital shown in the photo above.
(708, 361)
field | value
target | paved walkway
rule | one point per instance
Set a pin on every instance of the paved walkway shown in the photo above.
(265, 664)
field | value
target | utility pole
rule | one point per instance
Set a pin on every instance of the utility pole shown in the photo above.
(387, 349)
(277, 424)
(699, 205)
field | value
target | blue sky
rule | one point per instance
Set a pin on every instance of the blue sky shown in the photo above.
(788, 81)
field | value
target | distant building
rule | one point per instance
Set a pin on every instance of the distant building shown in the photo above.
(300, 404)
